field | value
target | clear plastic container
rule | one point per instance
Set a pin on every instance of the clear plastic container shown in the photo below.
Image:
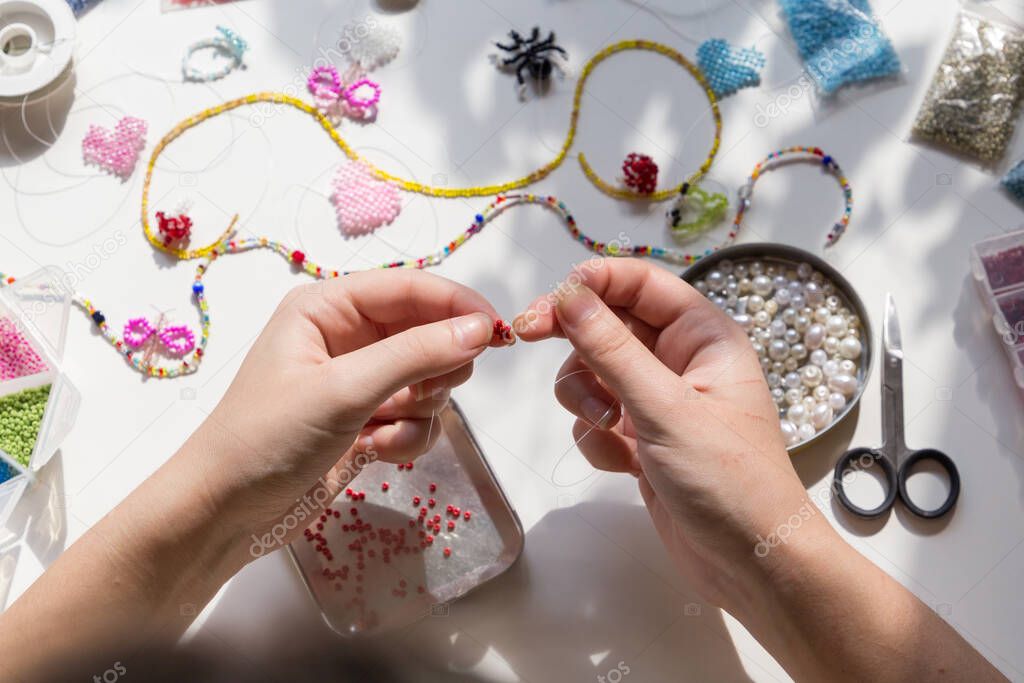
(38, 306)
(998, 267)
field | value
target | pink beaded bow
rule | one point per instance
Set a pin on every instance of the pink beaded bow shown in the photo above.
(363, 201)
(17, 357)
(176, 339)
(115, 152)
(357, 100)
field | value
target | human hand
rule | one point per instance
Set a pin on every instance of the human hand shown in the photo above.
(346, 372)
(665, 386)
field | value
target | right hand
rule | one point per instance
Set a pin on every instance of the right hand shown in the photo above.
(666, 387)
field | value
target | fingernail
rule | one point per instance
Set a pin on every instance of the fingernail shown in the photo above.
(596, 411)
(576, 304)
(364, 444)
(472, 331)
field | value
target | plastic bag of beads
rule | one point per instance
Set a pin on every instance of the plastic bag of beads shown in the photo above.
(841, 42)
(971, 105)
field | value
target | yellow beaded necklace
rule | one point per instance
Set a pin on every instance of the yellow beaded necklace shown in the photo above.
(420, 188)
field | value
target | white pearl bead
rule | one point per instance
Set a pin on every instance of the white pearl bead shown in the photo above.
(766, 364)
(777, 328)
(793, 396)
(756, 268)
(783, 296)
(758, 348)
(701, 286)
(798, 301)
(819, 357)
(744, 285)
(798, 351)
(778, 349)
(792, 380)
(797, 414)
(820, 393)
(847, 367)
(791, 336)
(836, 401)
(789, 433)
(778, 395)
(813, 293)
(762, 285)
(821, 415)
(801, 323)
(832, 303)
(809, 403)
(773, 379)
(771, 306)
(814, 336)
(806, 431)
(803, 271)
(850, 348)
(811, 375)
(755, 303)
(762, 319)
(778, 368)
(821, 314)
(844, 384)
(744, 321)
(779, 281)
(732, 288)
(830, 367)
(831, 345)
(716, 280)
(836, 325)
(791, 363)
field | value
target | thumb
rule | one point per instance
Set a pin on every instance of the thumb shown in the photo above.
(610, 349)
(418, 353)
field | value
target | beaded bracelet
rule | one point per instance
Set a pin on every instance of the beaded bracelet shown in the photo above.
(420, 188)
(806, 153)
(228, 43)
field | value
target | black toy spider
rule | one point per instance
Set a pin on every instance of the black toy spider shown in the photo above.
(531, 55)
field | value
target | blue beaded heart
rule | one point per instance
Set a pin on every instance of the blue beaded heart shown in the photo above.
(728, 68)
(1013, 181)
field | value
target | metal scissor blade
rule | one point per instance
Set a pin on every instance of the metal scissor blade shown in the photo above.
(892, 378)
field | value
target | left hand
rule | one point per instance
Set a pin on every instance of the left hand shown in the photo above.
(347, 371)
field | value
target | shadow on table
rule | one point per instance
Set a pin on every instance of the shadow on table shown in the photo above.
(556, 615)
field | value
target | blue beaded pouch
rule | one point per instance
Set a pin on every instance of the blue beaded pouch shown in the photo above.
(840, 42)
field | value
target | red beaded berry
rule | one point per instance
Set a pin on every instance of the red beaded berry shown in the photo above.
(640, 173)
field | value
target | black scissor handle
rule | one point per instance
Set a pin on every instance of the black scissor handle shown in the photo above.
(946, 463)
(866, 457)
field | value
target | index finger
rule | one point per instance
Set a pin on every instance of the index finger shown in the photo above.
(392, 300)
(647, 292)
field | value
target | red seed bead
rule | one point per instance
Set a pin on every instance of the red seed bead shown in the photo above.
(298, 257)
(421, 589)
(384, 486)
(467, 515)
(337, 514)
(415, 500)
(447, 552)
(433, 487)
(429, 539)
(355, 512)
(437, 518)
(431, 502)
(437, 528)
(319, 526)
(451, 525)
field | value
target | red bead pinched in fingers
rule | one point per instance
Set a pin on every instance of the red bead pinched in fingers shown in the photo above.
(503, 333)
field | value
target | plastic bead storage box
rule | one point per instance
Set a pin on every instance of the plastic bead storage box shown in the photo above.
(998, 267)
(38, 404)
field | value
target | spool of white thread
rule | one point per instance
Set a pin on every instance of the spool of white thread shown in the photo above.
(36, 44)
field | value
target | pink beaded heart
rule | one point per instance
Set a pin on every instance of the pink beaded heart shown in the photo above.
(17, 357)
(363, 201)
(115, 151)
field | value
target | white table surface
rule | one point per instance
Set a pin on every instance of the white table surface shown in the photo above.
(594, 588)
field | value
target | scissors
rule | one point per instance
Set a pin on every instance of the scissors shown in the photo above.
(895, 458)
